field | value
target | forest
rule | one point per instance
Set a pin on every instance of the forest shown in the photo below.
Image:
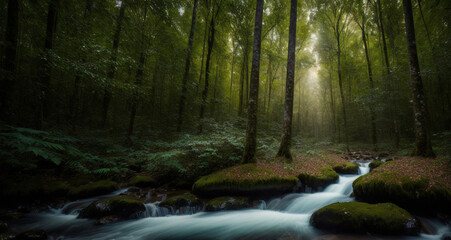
(225, 119)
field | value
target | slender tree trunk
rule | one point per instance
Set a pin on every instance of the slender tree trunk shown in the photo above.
(9, 62)
(75, 98)
(423, 145)
(231, 77)
(241, 97)
(251, 129)
(112, 71)
(387, 65)
(440, 85)
(138, 80)
(340, 83)
(268, 73)
(211, 40)
(203, 54)
(246, 62)
(285, 144)
(214, 90)
(44, 93)
(370, 78)
(332, 105)
(187, 66)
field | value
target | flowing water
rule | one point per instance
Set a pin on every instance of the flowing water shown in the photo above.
(286, 217)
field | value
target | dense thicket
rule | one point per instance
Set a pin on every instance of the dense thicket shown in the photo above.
(160, 64)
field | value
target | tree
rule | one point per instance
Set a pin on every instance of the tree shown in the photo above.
(112, 67)
(361, 22)
(46, 69)
(285, 144)
(423, 145)
(9, 61)
(187, 67)
(211, 40)
(251, 128)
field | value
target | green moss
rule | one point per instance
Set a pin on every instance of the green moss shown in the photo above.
(412, 194)
(92, 189)
(182, 200)
(346, 168)
(121, 207)
(251, 181)
(324, 177)
(356, 217)
(142, 181)
(227, 203)
(374, 164)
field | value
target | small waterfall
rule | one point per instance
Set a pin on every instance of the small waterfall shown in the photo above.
(152, 210)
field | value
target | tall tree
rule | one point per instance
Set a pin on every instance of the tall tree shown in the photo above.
(211, 40)
(251, 128)
(138, 79)
(112, 69)
(187, 66)
(285, 144)
(74, 100)
(361, 22)
(46, 70)
(423, 145)
(9, 61)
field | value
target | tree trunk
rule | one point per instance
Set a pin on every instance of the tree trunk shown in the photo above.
(246, 65)
(423, 145)
(211, 40)
(231, 77)
(241, 97)
(203, 54)
(75, 99)
(285, 144)
(251, 129)
(370, 78)
(44, 93)
(187, 66)
(9, 61)
(340, 83)
(112, 70)
(332, 105)
(387, 65)
(138, 80)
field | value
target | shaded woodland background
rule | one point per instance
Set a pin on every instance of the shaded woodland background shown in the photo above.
(115, 69)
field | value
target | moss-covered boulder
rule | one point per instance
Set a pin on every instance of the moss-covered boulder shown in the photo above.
(121, 207)
(142, 181)
(227, 203)
(35, 234)
(92, 189)
(357, 217)
(320, 179)
(183, 200)
(346, 168)
(244, 180)
(419, 185)
(374, 164)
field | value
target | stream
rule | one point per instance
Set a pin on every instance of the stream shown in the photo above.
(286, 217)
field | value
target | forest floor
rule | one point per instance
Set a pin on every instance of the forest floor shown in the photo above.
(39, 168)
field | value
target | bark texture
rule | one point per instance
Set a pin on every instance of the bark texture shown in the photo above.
(251, 128)
(187, 67)
(285, 144)
(423, 145)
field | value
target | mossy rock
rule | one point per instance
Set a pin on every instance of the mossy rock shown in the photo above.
(244, 180)
(92, 189)
(35, 234)
(183, 200)
(227, 203)
(413, 194)
(357, 217)
(324, 177)
(121, 207)
(374, 164)
(346, 168)
(142, 181)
